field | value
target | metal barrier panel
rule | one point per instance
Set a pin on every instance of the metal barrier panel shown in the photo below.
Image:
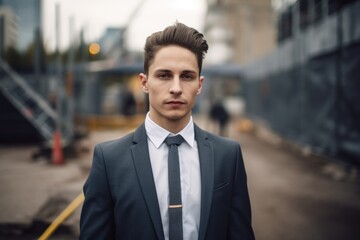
(316, 104)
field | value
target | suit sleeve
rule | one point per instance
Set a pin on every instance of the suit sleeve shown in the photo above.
(97, 221)
(240, 217)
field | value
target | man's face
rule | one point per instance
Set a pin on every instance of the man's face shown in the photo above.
(173, 83)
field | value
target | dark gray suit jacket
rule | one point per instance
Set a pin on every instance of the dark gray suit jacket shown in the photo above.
(121, 201)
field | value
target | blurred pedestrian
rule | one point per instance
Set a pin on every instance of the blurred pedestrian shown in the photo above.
(127, 102)
(220, 115)
(148, 186)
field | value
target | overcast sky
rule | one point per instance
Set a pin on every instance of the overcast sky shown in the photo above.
(95, 15)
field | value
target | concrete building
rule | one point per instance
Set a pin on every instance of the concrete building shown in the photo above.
(29, 20)
(240, 31)
(8, 28)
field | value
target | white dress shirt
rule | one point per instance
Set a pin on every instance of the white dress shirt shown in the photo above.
(189, 175)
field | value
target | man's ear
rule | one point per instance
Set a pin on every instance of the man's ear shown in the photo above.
(201, 81)
(144, 83)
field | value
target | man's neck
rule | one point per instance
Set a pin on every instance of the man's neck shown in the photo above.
(173, 126)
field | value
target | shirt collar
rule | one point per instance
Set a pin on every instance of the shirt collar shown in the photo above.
(158, 134)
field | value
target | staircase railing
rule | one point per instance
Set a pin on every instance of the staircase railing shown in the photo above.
(29, 103)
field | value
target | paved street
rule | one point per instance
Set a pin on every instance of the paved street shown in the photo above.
(293, 196)
(296, 198)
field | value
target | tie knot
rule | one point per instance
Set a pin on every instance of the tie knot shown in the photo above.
(175, 140)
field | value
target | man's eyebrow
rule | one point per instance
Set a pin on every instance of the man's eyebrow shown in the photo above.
(189, 71)
(163, 70)
(169, 71)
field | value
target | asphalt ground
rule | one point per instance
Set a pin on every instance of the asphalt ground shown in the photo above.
(294, 194)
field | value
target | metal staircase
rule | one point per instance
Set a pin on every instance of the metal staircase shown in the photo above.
(29, 103)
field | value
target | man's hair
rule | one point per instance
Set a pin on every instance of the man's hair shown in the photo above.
(179, 34)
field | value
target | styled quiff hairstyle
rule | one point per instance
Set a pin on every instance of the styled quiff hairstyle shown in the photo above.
(179, 34)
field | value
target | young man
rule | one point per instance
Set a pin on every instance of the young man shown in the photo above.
(130, 191)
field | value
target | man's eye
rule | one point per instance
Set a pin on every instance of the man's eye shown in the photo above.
(187, 77)
(163, 76)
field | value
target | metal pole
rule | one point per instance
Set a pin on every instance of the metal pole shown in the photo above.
(69, 82)
(298, 56)
(37, 60)
(58, 68)
(37, 46)
(57, 157)
(2, 37)
(338, 80)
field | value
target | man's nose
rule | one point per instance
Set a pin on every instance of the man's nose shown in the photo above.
(175, 87)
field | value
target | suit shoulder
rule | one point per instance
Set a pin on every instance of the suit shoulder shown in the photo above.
(116, 143)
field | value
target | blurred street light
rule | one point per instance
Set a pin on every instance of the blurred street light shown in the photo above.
(94, 48)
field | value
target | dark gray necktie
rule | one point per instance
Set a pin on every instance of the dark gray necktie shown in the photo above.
(175, 205)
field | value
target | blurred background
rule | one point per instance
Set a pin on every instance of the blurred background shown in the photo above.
(282, 78)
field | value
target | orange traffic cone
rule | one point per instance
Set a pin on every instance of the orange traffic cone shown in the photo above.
(57, 154)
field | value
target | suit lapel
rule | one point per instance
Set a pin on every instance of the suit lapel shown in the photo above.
(143, 168)
(206, 157)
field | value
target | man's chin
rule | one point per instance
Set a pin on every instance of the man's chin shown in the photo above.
(176, 115)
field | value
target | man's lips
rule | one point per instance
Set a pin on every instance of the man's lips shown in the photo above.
(175, 102)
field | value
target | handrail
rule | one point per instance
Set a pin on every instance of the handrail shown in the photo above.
(62, 216)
